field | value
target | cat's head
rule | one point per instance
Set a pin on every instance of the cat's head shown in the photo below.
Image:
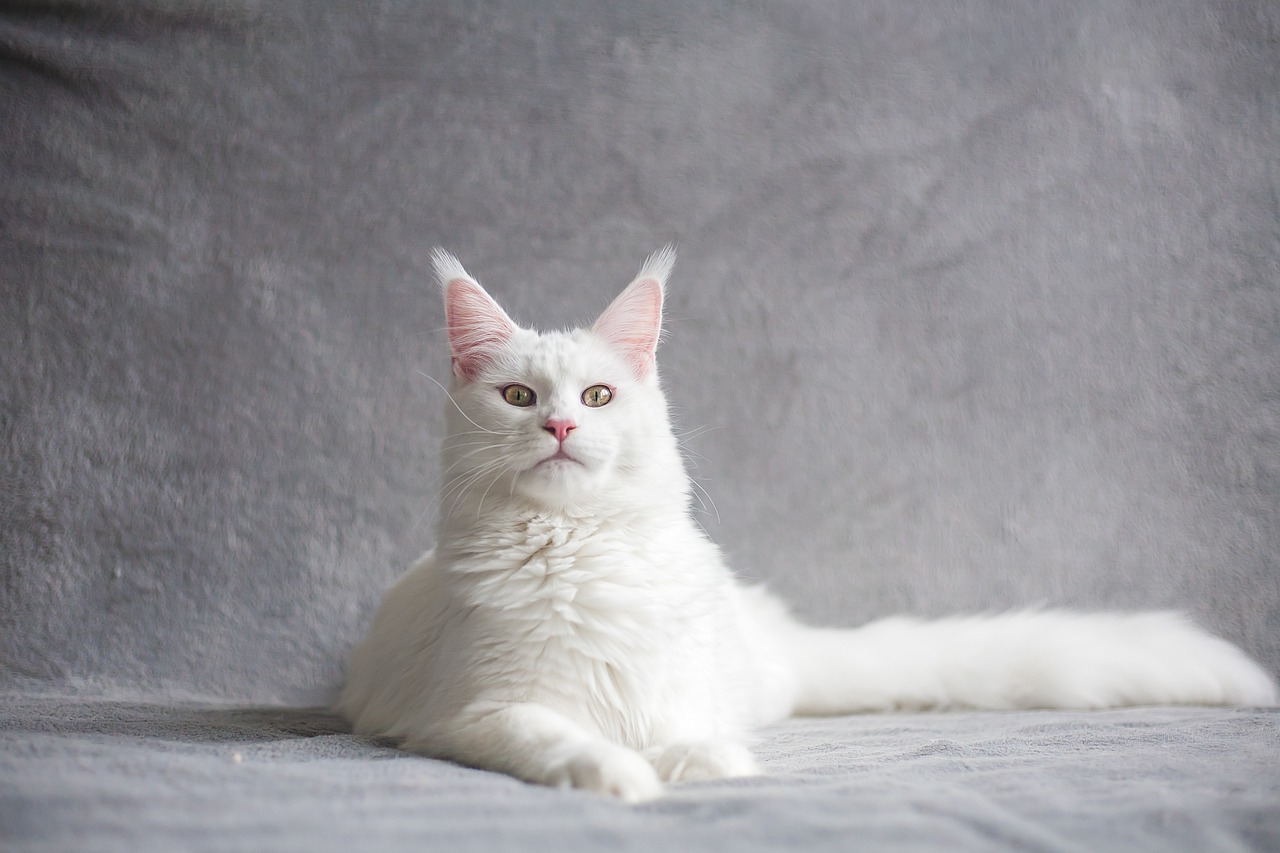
(562, 419)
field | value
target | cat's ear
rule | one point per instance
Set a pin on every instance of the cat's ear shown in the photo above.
(632, 323)
(477, 325)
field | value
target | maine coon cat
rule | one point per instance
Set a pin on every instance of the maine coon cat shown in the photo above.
(574, 626)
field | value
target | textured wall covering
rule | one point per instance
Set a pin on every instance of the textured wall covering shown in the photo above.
(978, 303)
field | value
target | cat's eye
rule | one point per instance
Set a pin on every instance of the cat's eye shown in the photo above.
(519, 395)
(597, 395)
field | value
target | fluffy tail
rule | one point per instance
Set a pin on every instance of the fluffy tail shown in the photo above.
(1036, 659)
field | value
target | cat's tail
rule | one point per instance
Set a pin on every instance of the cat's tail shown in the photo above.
(1032, 659)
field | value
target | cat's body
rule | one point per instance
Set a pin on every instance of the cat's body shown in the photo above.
(574, 626)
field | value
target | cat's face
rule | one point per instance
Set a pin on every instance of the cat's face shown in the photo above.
(558, 418)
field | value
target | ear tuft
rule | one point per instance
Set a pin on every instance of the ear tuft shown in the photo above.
(659, 265)
(477, 324)
(447, 267)
(632, 323)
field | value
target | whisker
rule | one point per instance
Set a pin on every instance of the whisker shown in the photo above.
(465, 481)
(451, 400)
(701, 488)
(462, 481)
(496, 478)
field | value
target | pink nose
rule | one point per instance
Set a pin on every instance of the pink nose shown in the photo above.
(559, 428)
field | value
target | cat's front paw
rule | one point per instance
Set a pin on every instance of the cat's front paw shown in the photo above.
(608, 769)
(699, 761)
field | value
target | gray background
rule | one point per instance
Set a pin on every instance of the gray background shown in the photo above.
(976, 307)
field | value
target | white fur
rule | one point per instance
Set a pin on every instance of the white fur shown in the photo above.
(575, 627)
(659, 265)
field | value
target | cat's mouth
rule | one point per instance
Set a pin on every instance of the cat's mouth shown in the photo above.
(558, 458)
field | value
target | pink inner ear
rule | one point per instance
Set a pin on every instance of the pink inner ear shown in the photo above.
(477, 326)
(633, 322)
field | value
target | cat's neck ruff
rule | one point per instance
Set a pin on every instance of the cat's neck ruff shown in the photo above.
(613, 510)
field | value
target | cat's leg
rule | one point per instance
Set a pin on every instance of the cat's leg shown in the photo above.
(538, 744)
(703, 760)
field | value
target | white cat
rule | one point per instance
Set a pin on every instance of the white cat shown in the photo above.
(573, 626)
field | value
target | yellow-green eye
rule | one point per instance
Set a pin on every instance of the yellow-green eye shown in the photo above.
(519, 395)
(597, 395)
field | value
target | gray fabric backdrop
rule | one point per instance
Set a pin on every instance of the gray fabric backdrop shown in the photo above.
(977, 303)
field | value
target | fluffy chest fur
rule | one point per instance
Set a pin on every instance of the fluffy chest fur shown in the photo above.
(589, 618)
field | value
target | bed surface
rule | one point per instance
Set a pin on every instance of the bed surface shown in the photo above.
(80, 773)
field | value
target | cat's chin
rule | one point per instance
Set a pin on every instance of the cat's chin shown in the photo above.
(559, 480)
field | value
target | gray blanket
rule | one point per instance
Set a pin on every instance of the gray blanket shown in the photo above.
(132, 777)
